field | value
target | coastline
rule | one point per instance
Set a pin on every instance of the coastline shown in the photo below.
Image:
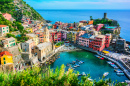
(126, 71)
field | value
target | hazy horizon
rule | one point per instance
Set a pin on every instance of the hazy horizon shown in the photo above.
(79, 4)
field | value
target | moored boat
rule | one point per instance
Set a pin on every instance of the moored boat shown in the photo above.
(77, 65)
(105, 74)
(83, 74)
(120, 74)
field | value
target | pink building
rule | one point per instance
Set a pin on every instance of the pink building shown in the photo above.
(84, 40)
(98, 26)
(97, 43)
(7, 16)
(107, 40)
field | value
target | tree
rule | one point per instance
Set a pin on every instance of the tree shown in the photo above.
(91, 18)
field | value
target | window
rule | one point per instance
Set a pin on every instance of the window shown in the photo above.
(7, 30)
(4, 62)
(3, 28)
(7, 27)
(4, 58)
(7, 45)
(3, 31)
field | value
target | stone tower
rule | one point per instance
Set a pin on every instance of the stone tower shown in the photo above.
(105, 15)
(46, 35)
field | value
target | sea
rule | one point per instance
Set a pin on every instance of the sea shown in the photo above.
(71, 16)
(93, 66)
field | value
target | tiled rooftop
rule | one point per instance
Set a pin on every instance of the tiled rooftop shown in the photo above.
(43, 45)
(86, 35)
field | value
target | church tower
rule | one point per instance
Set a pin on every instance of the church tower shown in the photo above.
(46, 35)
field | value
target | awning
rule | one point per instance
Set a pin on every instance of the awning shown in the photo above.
(106, 52)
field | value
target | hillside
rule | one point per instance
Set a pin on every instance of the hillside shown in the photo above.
(18, 8)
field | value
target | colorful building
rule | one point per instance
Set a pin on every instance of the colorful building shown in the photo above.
(9, 42)
(34, 37)
(7, 16)
(6, 58)
(63, 35)
(98, 27)
(4, 29)
(84, 40)
(27, 49)
(97, 42)
(107, 40)
(56, 35)
(43, 50)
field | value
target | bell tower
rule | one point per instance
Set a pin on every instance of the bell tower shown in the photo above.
(46, 35)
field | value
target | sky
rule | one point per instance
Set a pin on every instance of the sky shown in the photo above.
(79, 4)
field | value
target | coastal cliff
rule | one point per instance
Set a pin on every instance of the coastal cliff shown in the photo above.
(18, 9)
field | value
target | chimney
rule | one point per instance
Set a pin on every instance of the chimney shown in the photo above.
(105, 15)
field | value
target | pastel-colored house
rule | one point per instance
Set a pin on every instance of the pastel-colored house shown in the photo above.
(98, 26)
(43, 50)
(4, 29)
(34, 37)
(84, 40)
(27, 49)
(9, 42)
(7, 16)
(6, 58)
(97, 43)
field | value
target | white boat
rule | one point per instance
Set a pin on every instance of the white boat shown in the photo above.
(75, 66)
(90, 79)
(105, 74)
(119, 71)
(83, 74)
(109, 62)
(120, 74)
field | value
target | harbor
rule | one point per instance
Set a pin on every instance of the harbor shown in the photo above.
(92, 65)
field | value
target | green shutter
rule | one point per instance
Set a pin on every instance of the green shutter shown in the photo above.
(4, 58)
(4, 62)
(7, 30)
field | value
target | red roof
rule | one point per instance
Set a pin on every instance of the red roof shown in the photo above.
(3, 25)
(71, 27)
(6, 13)
(5, 53)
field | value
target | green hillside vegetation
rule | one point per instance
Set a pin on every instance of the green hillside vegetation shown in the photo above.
(59, 77)
(19, 9)
(12, 25)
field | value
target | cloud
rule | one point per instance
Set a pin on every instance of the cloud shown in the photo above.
(118, 1)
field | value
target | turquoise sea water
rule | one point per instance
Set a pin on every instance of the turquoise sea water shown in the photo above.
(93, 66)
(122, 16)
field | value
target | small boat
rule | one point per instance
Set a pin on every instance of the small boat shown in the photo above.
(109, 62)
(127, 81)
(120, 74)
(90, 79)
(97, 55)
(82, 61)
(83, 74)
(102, 58)
(77, 65)
(115, 67)
(105, 74)
(119, 71)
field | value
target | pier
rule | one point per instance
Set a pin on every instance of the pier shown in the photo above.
(121, 64)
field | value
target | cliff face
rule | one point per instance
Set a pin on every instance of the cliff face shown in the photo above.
(18, 8)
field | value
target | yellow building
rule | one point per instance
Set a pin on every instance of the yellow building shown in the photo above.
(29, 30)
(46, 35)
(34, 37)
(71, 36)
(6, 58)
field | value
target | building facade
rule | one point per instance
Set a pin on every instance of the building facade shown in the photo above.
(97, 42)
(9, 42)
(4, 29)
(43, 50)
(34, 37)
